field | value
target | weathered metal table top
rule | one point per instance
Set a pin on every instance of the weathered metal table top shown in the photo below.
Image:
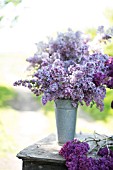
(45, 149)
(44, 155)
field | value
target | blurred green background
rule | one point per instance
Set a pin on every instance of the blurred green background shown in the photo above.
(23, 119)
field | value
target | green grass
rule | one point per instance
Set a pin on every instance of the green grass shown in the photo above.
(109, 48)
(49, 107)
(6, 94)
(108, 112)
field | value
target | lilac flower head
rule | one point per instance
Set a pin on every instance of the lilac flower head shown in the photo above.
(83, 156)
(71, 66)
(100, 29)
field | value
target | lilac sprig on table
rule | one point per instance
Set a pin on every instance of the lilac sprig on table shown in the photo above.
(71, 66)
(94, 153)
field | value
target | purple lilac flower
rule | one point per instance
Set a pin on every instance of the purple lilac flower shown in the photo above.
(70, 67)
(105, 152)
(101, 29)
(77, 157)
(109, 64)
(53, 87)
(74, 145)
(98, 78)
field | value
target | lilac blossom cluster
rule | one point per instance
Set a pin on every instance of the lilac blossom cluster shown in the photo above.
(76, 154)
(110, 73)
(69, 67)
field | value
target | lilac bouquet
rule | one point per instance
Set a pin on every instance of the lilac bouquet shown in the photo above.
(71, 66)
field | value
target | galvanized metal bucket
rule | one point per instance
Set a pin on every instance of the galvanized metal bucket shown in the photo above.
(66, 116)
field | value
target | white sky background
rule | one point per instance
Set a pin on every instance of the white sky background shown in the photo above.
(41, 18)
